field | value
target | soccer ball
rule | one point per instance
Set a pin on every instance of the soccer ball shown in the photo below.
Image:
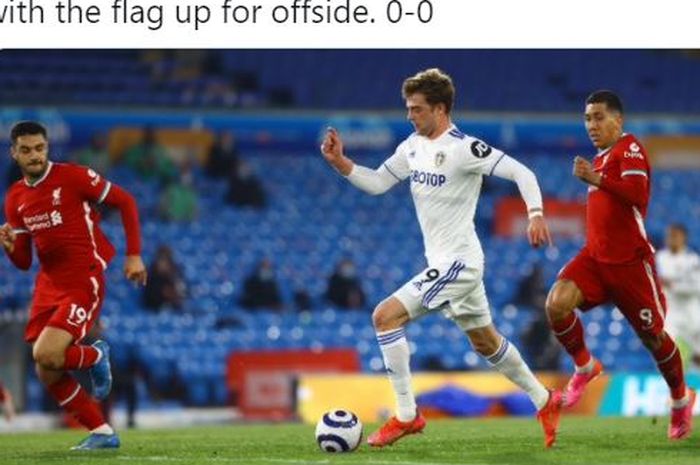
(338, 431)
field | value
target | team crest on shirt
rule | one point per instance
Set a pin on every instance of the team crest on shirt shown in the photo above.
(439, 158)
(56, 196)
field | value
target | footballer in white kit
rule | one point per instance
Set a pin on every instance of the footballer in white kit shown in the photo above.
(679, 270)
(445, 168)
(446, 175)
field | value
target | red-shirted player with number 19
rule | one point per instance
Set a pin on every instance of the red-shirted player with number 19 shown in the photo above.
(52, 207)
(617, 262)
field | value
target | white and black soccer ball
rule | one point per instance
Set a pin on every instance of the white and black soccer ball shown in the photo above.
(338, 431)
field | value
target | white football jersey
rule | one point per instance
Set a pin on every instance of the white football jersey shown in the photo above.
(681, 274)
(446, 175)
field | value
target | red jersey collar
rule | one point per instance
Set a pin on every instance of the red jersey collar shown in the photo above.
(607, 149)
(44, 176)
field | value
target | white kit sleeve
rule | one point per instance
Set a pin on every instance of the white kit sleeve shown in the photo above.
(371, 181)
(512, 170)
(375, 182)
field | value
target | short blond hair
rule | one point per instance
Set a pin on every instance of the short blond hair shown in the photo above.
(434, 84)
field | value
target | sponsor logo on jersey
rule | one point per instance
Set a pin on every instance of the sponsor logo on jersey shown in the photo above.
(439, 158)
(43, 221)
(634, 154)
(56, 218)
(412, 154)
(480, 149)
(56, 196)
(634, 147)
(95, 177)
(427, 178)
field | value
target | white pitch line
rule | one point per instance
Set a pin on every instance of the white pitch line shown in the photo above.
(363, 459)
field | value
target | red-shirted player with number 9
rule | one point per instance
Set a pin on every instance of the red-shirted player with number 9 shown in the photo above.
(52, 207)
(617, 263)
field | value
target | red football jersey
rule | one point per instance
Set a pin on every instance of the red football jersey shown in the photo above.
(57, 211)
(615, 224)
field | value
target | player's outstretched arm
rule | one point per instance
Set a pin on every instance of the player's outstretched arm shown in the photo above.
(511, 169)
(371, 181)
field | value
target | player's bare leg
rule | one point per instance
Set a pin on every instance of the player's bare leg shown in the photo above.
(505, 357)
(562, 301)
(50, 356)
(668, 359)
(389, 319)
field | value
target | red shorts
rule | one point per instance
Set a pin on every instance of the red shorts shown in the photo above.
(634, 288)
(73, 307)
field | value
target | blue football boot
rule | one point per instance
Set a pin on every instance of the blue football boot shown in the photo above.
(98, 441)
(101, 372)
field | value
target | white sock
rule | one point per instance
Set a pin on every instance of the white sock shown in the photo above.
(103, 429)
(587, 368)
(507, 360)
(397, 355)
(680, 403)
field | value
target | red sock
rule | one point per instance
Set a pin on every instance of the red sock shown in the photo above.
(569, 332)
(74, 400)
(80, 357)
(668, 359)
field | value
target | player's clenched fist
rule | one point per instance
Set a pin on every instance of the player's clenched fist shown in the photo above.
(332, 150)
(583, 169)
(332, 146)
(7, 237)
(135, 270)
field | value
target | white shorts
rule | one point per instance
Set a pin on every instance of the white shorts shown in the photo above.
(453, 288)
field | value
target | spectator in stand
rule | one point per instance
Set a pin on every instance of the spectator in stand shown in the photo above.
(95, 155)
(260, 289)
(178, 200)
(223, 156)
(150, 159)
(344, 287)
(541, 348)
(244, 188)
(165, 286)
(532, 290)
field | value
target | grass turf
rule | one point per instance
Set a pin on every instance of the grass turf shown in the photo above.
(493, 441)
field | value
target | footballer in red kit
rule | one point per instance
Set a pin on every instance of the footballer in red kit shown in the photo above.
(616, 265)
(52, 210)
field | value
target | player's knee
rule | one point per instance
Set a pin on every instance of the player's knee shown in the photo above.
(47, 358)
(559, 304)
(384, 318)
(381, 318)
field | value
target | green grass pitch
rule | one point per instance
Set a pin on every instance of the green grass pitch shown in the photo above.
(493, 441)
